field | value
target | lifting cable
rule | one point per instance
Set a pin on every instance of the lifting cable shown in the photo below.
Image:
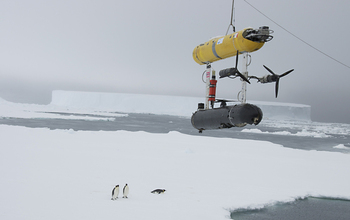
(232, 18)
(298, 37)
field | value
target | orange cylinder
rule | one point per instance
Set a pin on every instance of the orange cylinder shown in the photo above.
(212, 90)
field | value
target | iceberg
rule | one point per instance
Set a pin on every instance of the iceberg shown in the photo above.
(165, 105)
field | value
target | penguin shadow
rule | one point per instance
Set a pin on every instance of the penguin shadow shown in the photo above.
(115, 192)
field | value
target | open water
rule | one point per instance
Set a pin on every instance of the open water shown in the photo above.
(283, 133)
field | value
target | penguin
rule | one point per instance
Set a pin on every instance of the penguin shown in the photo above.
(115, 192)
(158, 191)
(126, 191)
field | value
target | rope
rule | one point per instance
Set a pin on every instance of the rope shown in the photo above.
(232, 18)
(298, 37)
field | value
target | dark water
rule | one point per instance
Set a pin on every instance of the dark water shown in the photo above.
(302, 209)
(310, 208)
(164, 124)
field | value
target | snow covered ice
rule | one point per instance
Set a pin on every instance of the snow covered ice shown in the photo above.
(67, 174)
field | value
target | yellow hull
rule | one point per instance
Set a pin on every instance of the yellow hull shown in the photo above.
(223, 47)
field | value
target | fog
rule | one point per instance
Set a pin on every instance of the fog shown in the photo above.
(146, 47)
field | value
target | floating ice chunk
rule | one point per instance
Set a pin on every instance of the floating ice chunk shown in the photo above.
(341, 146)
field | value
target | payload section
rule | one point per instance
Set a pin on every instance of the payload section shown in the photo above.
(246, 40)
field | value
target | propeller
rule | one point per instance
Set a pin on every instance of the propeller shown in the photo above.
(274, 78)
(233, 71)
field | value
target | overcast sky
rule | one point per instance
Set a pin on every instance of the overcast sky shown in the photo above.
(146, 47)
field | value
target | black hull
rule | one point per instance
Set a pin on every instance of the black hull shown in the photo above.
(227, 117)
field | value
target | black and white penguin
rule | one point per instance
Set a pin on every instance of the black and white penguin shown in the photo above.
(115, 192)
(158, 191)
(126, 191)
